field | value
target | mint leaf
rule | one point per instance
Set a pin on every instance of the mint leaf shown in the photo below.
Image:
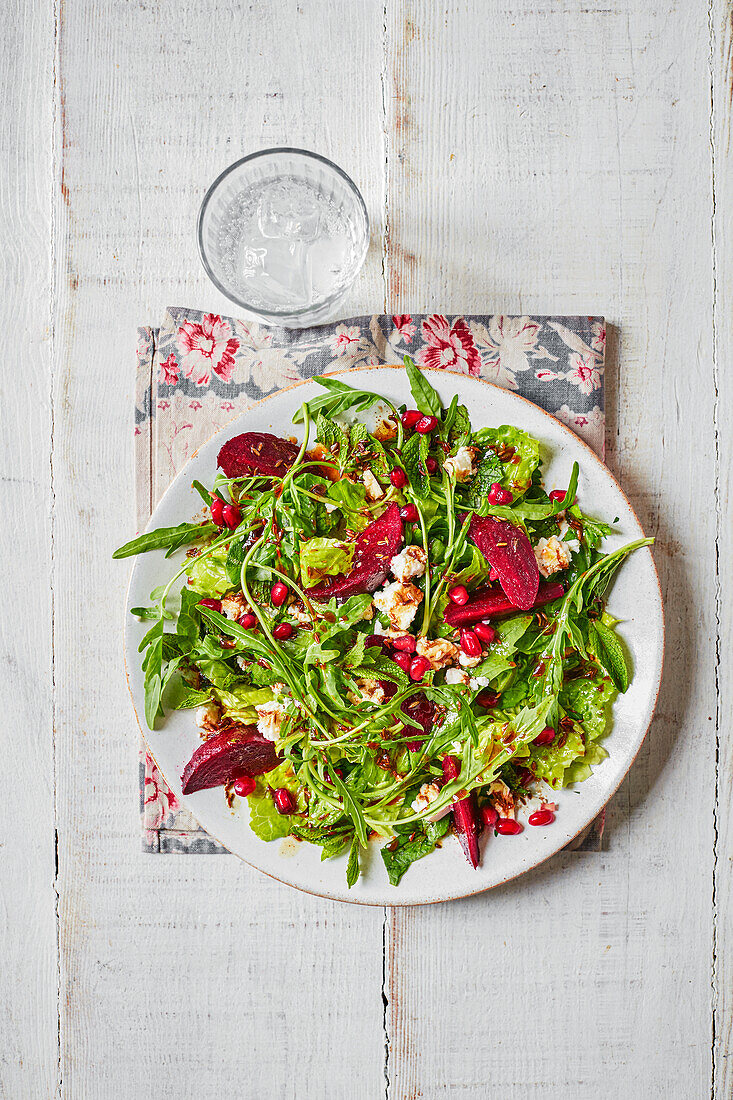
(609, 653)
(352, 868)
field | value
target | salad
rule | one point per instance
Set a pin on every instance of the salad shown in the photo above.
(388, 631)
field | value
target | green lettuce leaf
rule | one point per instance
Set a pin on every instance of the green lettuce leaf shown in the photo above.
(264, 820)
(324, 557)
(208, 575)
(239, 702)
(516, 476)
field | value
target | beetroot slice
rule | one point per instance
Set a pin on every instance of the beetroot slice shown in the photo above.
(464, 815)
(374, 549)
(508, 550)
(256, 453)
(238, 751)
(421, 710)
(490, 603)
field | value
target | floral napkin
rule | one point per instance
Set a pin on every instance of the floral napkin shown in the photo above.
(199, 371)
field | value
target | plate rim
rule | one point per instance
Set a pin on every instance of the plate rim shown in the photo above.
(565, 840)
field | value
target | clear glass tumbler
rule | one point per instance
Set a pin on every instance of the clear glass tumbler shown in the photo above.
(283, 233)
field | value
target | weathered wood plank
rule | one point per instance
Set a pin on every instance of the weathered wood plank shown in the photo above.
(721, 57)
(193, 975)
(28, 991)
(561, 162)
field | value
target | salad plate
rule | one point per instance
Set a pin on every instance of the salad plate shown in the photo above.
(619, 638)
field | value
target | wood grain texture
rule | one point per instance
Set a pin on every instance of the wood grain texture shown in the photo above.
(532, 158)
(721, 68)
(28, 1018)
(191, 976)
(557, 168)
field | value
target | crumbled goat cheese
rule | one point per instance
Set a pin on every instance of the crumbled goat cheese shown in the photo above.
(461, 464)
(427, 794)
(468, 662)
(409, 563)
(372, 690)
(502, 799)
(399, 602)
(269, 719)
(207, 717)
(552, 555)
(439, 652)
(479, 682)
(299, 615)
(457, 676)
(374, 490)
(234, 605)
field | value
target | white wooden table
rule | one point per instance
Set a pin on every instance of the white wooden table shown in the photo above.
(540, 157)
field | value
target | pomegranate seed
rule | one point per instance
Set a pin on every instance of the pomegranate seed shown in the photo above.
(431, 464)
(485, 632)
(546, 737)
(284, 801)
(244, 785)
(410, 419)
(374, 640)
(404, 660)
(407, 644)
(497, 495)
(248, 620)
(489, 816)
(328, 779)
(493, 575)
(279, 593)
(558, 495)
(232, 516)
(213, 605)
(507, 826)
(217, 508)
(488, 699)
(409, 513)
(458, 594)
(283, 631)
(470, 644)
(426, 424)
(398, 477)
(525, 776)
(415, 746)
(542, 817)
(451, 768)
(419, 667)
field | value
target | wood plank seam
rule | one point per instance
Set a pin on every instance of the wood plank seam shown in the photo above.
(718, 535)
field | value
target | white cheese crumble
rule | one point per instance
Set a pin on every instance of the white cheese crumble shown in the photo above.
(552, 555)
(374, 490)
(234, 605)
(479, 682)
(399, 602)
(409, 563)
(269, 719)
(457, 676)
(468, 662)
(207, 717)
(371, 690)
(461, 465)
(439, 652)
(427, 794)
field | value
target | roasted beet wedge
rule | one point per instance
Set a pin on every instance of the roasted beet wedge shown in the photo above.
(256, 453)
(464, 815)
(238, 751)
(508, 550)
(490, 603)
(374, 548)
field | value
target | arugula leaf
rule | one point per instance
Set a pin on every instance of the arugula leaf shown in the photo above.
(425, 397)
(352, 867)
(152, 666)
(340, 398)
(398, 856)
(166, 538)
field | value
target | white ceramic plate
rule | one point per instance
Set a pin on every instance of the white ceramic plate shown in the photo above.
(635, 600)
